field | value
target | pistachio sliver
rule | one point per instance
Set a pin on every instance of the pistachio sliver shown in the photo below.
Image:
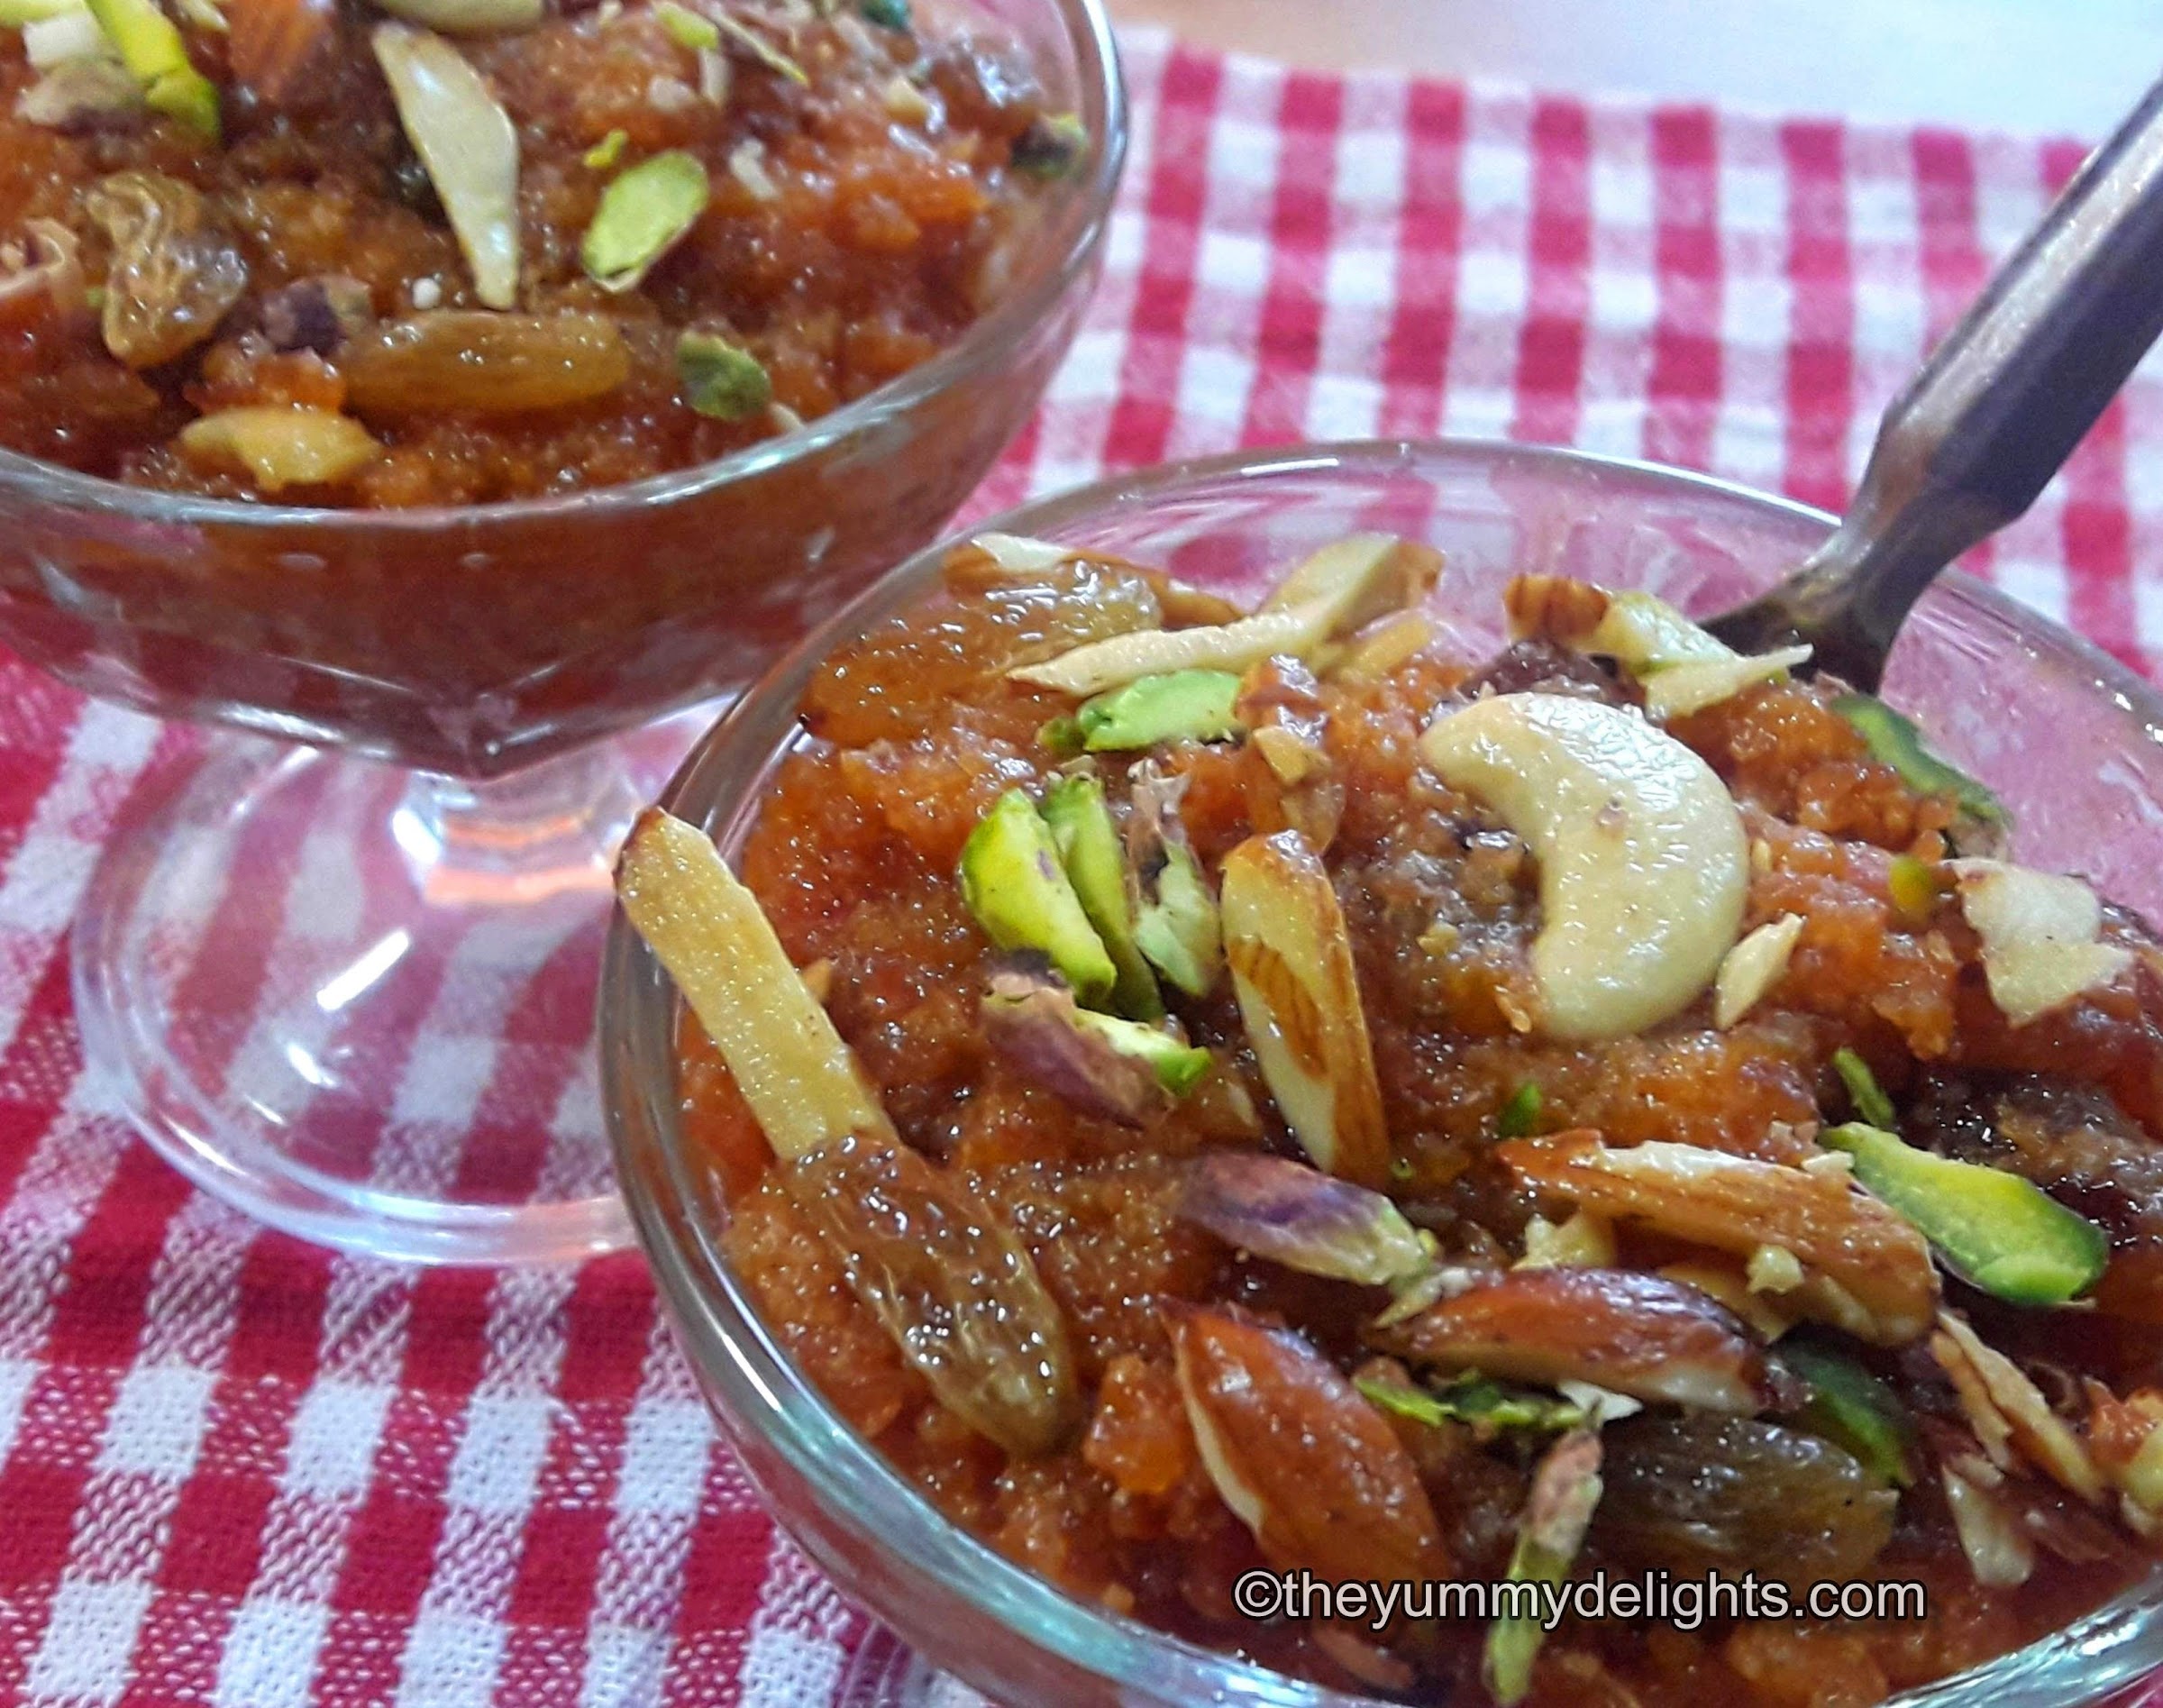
(1119, 1069)
(1051, 146)
(1303, 1218)
(1014, 884)
(643, 214)
(721, 379)
(152, 49)
(1487, 1408)
(1519, 1117)
(709, 932)
(1179, 706)
(468, 17)
(687, 29)
(467, 143)
(888, 14)
(1061, 736)
(761, 49)
(15, 14)
(1177, 927)
(1852, 1408)
(1997, 1231)
(1565, 1491)
(603, 154)
(1894, 740)
(1291, 957)
(1080, 820)
(1867, 1096)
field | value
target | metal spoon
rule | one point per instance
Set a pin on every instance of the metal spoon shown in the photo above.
(1992, 414)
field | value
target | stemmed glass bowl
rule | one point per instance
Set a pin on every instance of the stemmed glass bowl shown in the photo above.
(344, 977)
(2071, 740)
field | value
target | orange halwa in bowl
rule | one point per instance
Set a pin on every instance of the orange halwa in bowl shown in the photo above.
(1240, 1055)
(459, 380)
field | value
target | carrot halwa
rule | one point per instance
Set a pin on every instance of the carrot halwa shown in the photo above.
(1254, 1092)
(448, 251)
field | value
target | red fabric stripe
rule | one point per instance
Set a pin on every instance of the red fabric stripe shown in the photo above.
(1820, 359)
(1550, 364)
(1684, 383)
(1417, 350)
(1288, 339)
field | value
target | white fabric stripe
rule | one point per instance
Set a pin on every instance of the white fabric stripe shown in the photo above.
(271, 1655)
(1750, 439)
(453, 1654)
(1494, 277)
(150, 1440)
(668, 1441)
(1359, 282)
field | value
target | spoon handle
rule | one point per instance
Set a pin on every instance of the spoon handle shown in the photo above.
(1992, 414)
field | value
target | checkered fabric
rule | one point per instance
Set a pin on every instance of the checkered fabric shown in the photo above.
(237, 1471)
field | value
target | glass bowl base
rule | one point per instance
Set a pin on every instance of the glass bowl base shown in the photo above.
(357, 1002)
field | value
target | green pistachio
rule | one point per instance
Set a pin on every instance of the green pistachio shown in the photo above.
(1014, 884)
(607, 151)
(1051, 146)
(687, 29)
(1519, 1117)
(1082, 827)
(1912, 883)
(1487, 1408)
(1061, 736)
(1863, 1089)
(888, 14)
(150, 47)
(1177, 706)
(643, 214)
(1894, 740)
(1997, 1231)
(1558, 1511)
(1852, 1408)
(721, 379)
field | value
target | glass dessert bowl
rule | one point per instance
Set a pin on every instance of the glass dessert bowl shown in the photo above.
(348, 986)
(2065, 737)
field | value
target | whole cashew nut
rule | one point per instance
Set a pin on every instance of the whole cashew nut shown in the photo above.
(1643, 863)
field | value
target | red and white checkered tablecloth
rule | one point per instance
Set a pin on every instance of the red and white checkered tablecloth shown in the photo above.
(235, 1470)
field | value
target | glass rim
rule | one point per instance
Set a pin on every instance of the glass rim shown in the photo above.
(1085, 214)
(763, 1393)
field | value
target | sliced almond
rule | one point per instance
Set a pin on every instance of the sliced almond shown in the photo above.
(799, 1078)
(1752, 967)
(1340, 589)
(1290, 957)
(1682, 688)
(2039, 932)
(467, 143)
